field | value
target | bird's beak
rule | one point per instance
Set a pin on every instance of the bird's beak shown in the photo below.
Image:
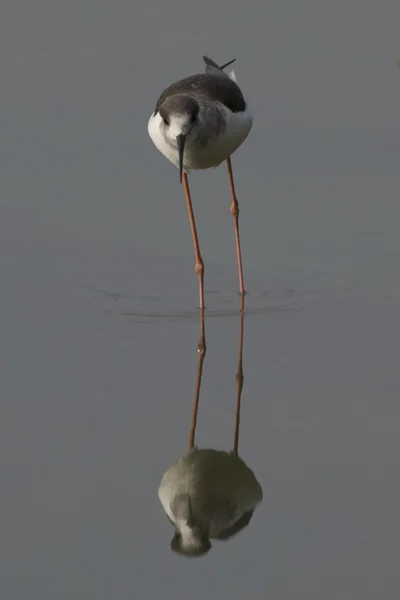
(190, 520)
(181, 139)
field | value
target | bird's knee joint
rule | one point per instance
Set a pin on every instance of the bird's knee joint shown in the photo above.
(235, 210)
(202, 349)
(199, 267)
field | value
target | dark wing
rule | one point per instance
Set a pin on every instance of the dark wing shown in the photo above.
(212, 67)
(229, 532)
(215, 87)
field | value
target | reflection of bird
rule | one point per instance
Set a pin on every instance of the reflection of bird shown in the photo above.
(198, 123)
(208, 494)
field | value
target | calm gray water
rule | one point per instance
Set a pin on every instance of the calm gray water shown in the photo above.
(98, 299)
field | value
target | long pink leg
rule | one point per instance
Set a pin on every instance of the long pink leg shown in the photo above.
(235, 214)
(199, 266)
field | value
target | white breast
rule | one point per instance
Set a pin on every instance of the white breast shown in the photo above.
(219, 148)
(154, 129)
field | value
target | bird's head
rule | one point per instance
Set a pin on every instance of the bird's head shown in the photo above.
(191, 537)
(190, 542)
(179, 115)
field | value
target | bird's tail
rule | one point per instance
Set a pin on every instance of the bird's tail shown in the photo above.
(213, 68)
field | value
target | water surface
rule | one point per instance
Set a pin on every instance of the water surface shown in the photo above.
(98, 299)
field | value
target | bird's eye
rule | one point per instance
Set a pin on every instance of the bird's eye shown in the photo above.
(192, 119)
(166, 120)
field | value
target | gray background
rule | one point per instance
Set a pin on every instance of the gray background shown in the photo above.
(98, 298)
